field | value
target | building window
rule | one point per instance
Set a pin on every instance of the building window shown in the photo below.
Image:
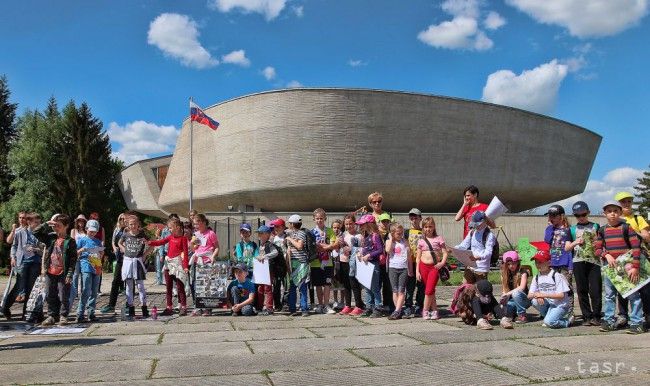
(160, 173)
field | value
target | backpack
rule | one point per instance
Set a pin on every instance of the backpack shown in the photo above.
(278, 264)
(310, 245)
(626, 234)
(494, 257)
(552, 276)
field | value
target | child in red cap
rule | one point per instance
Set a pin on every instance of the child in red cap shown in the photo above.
(549, 292)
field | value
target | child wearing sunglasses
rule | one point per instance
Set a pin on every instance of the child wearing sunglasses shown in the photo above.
(586, 266)
(557, 234)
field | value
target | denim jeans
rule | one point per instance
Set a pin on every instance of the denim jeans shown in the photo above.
(634, 300)
(304, 304)
(518, 303)
(246, 310)
(89, 288)
(554, 316)
(373, 294)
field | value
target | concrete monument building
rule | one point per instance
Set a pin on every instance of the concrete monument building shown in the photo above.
(298, 149)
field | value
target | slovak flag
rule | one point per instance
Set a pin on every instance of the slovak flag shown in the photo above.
(197, 115)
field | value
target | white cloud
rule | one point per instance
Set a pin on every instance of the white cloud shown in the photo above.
(462, 31)
(534, 90)
(586, 18)
(459, 33)
(177, 36)
(139, 139)
(269, 8)
(294, 84)
(237, 57)
(298, 10)
(269, 73)
(467, 8)
(494, 21)
(356, 63)
(597, 192)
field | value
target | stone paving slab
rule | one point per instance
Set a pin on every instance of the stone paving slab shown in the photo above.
(438, 373)
(112, 353)
(337, 343)
(243, 323)
(10, 354)
(233, 336)
(610, 380)
(154, 327)
(225, 316)
(602, 342)
(205, 365)
(380, 329)
(230, 380)
(583, 365)
(466, 351)
(134, 370)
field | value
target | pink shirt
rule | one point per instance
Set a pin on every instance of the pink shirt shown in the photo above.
(208, 243)
(437, 243)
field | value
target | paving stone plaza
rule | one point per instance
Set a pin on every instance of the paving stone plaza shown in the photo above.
(317, 350)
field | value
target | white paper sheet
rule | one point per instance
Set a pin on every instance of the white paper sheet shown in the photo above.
(364, 273)
(496, 209)
(261, 273)
(463, 257)
(57, 331)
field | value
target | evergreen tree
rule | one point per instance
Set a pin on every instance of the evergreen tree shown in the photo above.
(7, 137)
(643, 194)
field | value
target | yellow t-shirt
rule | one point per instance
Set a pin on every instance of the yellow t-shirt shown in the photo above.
(414, 236)
(636, 222)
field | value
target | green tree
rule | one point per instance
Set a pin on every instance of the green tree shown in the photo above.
(7, 137)
(643, 193)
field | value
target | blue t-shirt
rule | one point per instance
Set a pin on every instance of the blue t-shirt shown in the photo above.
(85, 257)
(556, 238)
(243, 289)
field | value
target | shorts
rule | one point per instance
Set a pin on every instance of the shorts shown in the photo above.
(397, 277)
(321, 276)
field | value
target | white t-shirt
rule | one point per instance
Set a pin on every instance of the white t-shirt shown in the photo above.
(351, 245)
(399, 255)
(546, 285)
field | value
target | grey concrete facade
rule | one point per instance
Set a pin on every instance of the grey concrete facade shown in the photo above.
(139, 186)
(299, 149)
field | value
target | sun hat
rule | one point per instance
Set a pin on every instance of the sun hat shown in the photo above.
(81, 217)
(477, 219)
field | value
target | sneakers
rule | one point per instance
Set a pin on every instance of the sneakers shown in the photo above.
(594, 322)
(49, 321)
(417, 312)
(346, 310)
(266, 312)
(571, 320)
(318, 309)
(621, 322)
(521, 319)
(356, 312)
(606, 327)
(483, 324)
(63, 321)
(434, 315)
(330, 311)
(167, 312)
(92, 318)
(182, 311)
(395, 315)
(506, 323)
(107, 309)
(425, 315)
(376, 313)
(408, 313)
(636, 329)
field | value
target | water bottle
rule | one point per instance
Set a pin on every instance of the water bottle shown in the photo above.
(154, 313)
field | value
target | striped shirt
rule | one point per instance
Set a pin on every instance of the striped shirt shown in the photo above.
(614, 243)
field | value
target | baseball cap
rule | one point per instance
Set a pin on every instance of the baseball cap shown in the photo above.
(295, 219)
(365, 219)
(277, 222)
(53, 219)
(484, 287)
(555, 210)
(477, 219)
(241, 266)
(542, 256)
(580, 207)
(511, 256)
(612, 203)
(245, 227)
(263, 229)
(92, 225)
(415, 211)
(384, 216)
(622, 196)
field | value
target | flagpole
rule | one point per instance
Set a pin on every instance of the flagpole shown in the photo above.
(191, 151)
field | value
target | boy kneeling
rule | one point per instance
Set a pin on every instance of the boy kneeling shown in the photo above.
(242, 292)
(549, 292)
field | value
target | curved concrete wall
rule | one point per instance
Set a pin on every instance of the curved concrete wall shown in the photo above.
(140, 187)
(299, 149)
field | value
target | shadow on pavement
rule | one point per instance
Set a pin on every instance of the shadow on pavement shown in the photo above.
(56, 342)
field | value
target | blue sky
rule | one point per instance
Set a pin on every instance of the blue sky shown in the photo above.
(137, 62)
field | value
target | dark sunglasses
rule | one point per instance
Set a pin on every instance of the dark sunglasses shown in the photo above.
(375, 202)
(578, 215)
